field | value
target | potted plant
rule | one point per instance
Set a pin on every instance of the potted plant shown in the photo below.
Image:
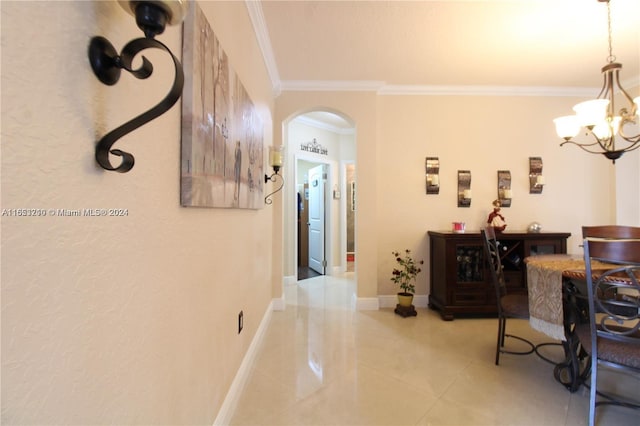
(404, 275)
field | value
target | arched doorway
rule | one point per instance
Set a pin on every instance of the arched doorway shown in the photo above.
(326, 138)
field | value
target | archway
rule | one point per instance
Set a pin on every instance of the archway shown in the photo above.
(328, 137)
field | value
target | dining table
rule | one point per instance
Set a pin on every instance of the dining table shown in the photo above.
(557, 302)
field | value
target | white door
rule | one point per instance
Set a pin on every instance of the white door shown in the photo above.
(316, 219)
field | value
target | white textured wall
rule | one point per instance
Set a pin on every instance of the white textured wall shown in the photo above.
(126, 320)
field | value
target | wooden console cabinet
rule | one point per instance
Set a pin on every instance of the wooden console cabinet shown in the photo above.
(460, 278)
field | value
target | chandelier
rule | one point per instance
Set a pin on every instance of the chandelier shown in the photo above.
(599, 118)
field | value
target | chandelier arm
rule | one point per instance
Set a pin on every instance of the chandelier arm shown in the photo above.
(607, 145)
(607, 84)
(627, 119)
(633, 147)
(630, 139)
(626, 95)
(582, 146)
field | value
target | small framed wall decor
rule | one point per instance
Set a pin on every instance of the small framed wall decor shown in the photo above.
(464, 188)
(504, 188)
(432, 166)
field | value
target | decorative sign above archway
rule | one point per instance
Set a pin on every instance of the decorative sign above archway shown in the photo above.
(314, 147)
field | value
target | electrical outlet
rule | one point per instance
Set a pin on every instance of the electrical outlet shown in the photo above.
(240, 321)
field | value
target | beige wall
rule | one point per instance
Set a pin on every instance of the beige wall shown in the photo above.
(126, 320)
(478, 133)
(360, 107)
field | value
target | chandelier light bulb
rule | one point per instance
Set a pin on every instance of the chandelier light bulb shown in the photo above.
(592, 112)
(567, 127)
(602, 130)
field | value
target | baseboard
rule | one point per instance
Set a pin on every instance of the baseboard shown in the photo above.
(367, 304)
(278, 304)
(419, 301)
(337, 270)
(231, 400)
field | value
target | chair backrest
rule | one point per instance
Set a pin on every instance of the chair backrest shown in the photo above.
(614, 292)
(611, 231)
(493, 256)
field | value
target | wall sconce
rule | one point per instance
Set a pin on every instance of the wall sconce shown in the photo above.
(536, 179)
(276, 157)
(151, 17)
(432, 166)
(464, 188)
(504, 188)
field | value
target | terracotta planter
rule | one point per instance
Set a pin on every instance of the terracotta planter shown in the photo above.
(405, 299)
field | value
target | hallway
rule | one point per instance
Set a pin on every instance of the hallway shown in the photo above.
(323, 363)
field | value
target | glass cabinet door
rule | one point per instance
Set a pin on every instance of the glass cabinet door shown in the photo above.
(469, 264)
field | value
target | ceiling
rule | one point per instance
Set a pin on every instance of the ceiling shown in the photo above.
(552, 47)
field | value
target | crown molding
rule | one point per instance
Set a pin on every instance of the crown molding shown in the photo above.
(434, 90)
(331, 86)
(488, 91)
(254, 8)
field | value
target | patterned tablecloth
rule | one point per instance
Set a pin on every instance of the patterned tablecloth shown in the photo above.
(544, 281)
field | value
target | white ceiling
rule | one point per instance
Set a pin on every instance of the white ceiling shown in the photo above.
(504, 46)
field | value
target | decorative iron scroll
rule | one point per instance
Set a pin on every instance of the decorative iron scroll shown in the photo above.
(107, 64)
(314, 147)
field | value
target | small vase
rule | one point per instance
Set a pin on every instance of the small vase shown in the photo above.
(405, 299)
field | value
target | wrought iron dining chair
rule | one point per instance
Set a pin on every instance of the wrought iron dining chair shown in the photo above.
(515, 306)
(612, 336)
(611, 231)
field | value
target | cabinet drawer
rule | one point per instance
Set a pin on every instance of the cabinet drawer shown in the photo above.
(469, 298)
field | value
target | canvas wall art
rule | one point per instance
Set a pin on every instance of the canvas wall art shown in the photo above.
(222, 134)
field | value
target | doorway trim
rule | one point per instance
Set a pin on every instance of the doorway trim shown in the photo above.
(328, 223)
(290, 233)
(344, 209)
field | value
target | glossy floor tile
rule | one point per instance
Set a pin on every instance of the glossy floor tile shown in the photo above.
(323, 363)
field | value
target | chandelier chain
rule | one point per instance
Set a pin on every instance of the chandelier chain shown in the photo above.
(611, 58)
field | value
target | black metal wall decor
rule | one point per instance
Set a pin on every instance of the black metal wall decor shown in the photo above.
(536, 179)
(276, 158)
(504, 188)
(464, 188)
(432, 168)
(151, 17)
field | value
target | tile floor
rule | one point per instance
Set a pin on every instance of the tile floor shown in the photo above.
(323, 363)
